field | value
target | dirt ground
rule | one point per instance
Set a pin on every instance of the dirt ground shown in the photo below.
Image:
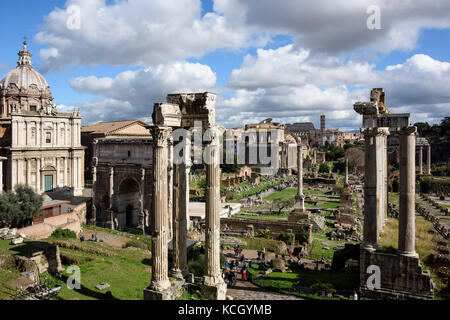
(109, 239)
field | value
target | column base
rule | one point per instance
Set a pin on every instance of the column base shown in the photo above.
(150, 294)
(177, 274)
(173, 292)
(214, 292)
(411, 254)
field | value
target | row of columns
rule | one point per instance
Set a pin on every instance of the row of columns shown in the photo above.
(428, 159)
(160, 211)
(375, 188)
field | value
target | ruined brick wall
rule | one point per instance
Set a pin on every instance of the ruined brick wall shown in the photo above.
(276, 227)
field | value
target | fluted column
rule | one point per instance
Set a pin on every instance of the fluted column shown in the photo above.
(38, 175)
(429, 159)
(65, 184)
(160, 279)
(406, 219)
(346, 172)
(94, 189)
(300, 197)
(421, 160)
(373, 146)
(111, 196)
(1, 173)
(170, 174)
(180, 211)
(213, 276)
(141, 223)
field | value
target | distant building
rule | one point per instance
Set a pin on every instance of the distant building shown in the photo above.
(42, 146)
(114, 129)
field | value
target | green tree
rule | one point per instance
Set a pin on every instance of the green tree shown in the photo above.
(324, 168)
(20, 205)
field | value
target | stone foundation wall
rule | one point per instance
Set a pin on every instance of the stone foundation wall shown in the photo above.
(277, 228)
(402, 277)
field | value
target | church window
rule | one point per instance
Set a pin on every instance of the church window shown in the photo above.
(48, 137)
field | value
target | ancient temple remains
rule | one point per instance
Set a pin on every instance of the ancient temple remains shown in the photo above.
(401, 275)
(181, 112)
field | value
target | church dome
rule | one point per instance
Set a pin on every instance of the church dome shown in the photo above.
(24, 77)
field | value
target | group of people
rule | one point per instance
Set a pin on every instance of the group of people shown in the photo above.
(231, 276)
(93, 238)
(237, 251)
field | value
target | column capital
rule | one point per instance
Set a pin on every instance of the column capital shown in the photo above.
(377, 131)
(161, 136)
(408, 131)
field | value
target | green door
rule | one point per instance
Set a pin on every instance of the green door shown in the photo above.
(48, 183)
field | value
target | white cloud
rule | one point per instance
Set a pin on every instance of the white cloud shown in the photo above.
(134, 32)
(131, 94)
(292, 85)
(333, 27)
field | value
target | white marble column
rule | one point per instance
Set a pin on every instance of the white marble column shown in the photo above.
(170, 187)
(38, 175)
(300, 197)
(65, 172)
(420, 160)
(13, 173)
(111, 196)
(58, 173)
(180, 212)
(372, 180)
(429, 159)
(407, 214)
(213, 277)
(28, 171)
(94, 185)
(1, 173)
(160, 278)
(141, 223)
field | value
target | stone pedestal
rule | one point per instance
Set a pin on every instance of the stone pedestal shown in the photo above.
(215, 292)
(406, 219)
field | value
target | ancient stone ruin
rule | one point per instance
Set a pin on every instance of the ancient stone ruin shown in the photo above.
(181, 111)
(401, 275)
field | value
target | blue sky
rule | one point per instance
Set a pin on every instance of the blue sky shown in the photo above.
(263, 58)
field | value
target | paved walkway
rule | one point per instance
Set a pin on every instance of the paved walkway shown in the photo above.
(246, 290)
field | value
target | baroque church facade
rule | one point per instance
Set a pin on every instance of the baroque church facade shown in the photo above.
(43, 147)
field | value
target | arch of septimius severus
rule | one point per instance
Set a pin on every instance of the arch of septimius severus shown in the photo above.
(181, 112)
(401, 275)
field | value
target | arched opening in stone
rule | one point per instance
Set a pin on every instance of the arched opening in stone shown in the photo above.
(128, 203)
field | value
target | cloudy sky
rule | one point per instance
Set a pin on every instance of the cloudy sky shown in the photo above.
(290, 60)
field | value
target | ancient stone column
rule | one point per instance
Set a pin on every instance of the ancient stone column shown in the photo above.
(406, 219)
(421, 160)
(180, 211)
(1, 173)
(372, 181)
(214, 286)
(160, 229)
(141, 223)
(170, 187)
(346, 172)
(429, 159)
(111, 196)
(300, 197)
(94, 189)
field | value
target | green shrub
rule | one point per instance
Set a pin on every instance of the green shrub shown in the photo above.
(287, 237)
(266, 234)
(63, 234)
